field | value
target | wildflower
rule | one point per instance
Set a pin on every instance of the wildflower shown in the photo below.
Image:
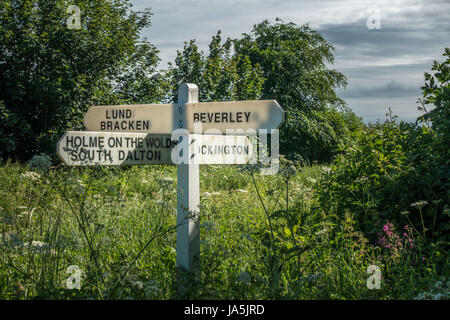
(419, 205)
(137, 284)
(250, 168)
(288, 171)
(312, 180)
(244, 277)
(165, 183)
(326, 169)
(40, 163)
(362, 179)
(423, 259)
(323, 231)
(38, 246)
(151, 289)
(208, 225)
(33, 176)
(11, 239)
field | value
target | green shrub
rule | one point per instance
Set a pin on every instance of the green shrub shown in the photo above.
(398, 171)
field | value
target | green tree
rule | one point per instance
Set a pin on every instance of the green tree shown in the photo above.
(50, 74)
(295, 61)
(436, 92)
(221, 75)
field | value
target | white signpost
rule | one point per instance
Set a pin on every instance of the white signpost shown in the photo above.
(165, 118)
(188, 197)
(86, 148)
(147, 134)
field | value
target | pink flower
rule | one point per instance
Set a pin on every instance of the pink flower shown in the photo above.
(386, 228)
(423, 259)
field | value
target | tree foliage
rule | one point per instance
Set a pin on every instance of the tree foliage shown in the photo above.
(50, 74)
(295, 61)
(436, 92)
(221, 75)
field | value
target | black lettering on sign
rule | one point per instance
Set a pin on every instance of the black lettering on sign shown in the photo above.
(139, 155)
(118, 114)
(153, 142)
(73, 155)
(125, 125)
(83, 141)
(223, 149)
(115, 142)
(222, 117)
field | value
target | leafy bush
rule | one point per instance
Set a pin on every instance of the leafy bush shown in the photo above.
(50, 74)
(399, 171)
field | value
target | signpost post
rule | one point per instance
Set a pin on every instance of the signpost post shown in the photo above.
(144, 134)
(188, 194)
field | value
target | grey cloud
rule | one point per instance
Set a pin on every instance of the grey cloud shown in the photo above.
(384, 67)
(357, 40)
(375, 109)
(391, 89)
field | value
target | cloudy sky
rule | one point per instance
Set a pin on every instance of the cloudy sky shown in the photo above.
(384, 65)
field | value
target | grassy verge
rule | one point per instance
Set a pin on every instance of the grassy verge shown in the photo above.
(262, 237)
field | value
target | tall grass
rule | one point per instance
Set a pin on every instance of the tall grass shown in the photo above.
(262, 237)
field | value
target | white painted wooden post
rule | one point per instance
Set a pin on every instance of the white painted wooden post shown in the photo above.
(188, 195)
